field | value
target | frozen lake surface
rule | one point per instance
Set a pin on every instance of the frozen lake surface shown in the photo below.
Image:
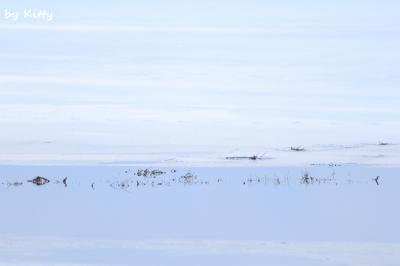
(276, 117)
(108, 215)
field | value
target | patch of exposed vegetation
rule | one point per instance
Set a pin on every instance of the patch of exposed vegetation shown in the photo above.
(383, 143)
(14, 184)
(299, 148)
(188, 178)
(253, 157)
(124, 185)
(39, 181)
(308, 179)
(149, 173)
(326, 164)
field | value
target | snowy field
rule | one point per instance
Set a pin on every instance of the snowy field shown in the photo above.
(158, 81)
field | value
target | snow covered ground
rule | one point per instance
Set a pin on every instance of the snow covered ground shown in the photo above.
(158, 79)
